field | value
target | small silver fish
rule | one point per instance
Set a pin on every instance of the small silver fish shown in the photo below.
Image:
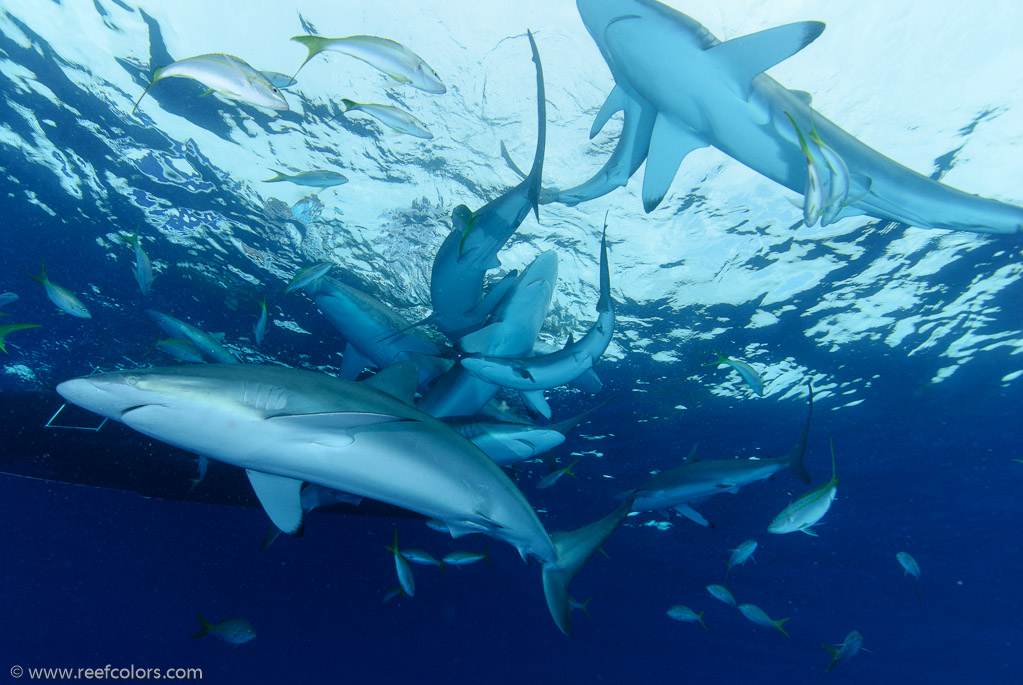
(383, 54)
(143, 267)
(308, 276)
(760, 617)
(748, 373)
(806, 511)
(911, 568)
(845, 650)
(462, 558)
(233, 631)
(225, 74)
(317, 178)
(62, 297)
(393, 118)
(740, 554)
(554, 476)
(680, 612)
(720, 592)
(422, 557)
(405, 577)
(259, 330)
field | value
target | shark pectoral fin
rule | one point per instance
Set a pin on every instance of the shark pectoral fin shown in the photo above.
(731, 488)
(331, 429)
(615, 102)
(669, 145)
(272, 533)
(574, 549)
(281, 499)
(748, 56)
(536, 403)
(353, 362)
(803, 96)
(397, 380)
(479, 341)
(692, 514)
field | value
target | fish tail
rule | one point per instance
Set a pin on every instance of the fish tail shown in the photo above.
(779, 623)
(350, 104)
(41, 278)
(394, 549)
(574, 549)
(314, 44)
(10, 328)
(699, 617)
(534, 180)
(204, 627)
(156, 77)
(278, 176)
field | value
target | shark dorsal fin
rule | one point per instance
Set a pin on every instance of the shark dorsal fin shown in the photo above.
(397, 380)
(281, 499)
(748, 56)
(692, 455)
(479, 341)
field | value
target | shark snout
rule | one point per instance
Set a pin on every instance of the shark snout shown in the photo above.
(96, 395)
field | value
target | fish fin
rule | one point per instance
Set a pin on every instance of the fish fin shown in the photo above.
(794, 461)
(536, 403)
(615, 102)
(152, 83)
(278, 176)
(692, 515)
(779, 623)
(859, 186)
(332, 428)
(669, 145)
(314, 44)
(510, 162)
(803, 96)
(807, 530)
(568, 425)
(728, 487)
(207, 92)
(691, 457)
(397, 380)
(41, 278)
(10, 328)
(479, 341)
(574, 549)
(353, 362)
(750, 55)
(281, 499)
(204, 626)
(350, 104)
(272, 533)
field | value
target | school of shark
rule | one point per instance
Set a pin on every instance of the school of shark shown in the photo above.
(424, 425)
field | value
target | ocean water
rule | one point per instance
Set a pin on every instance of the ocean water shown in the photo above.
(911, 337)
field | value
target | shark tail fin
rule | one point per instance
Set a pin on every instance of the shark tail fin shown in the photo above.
(314, 44)
(535, 177)
(204, 627)
(795, 458)
(574, 549)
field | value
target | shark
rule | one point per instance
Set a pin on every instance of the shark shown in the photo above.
(374, 333)
(287, 427)
(682, 89)
(696, 480)
(563, 366)
(470, 249)
(511, 330)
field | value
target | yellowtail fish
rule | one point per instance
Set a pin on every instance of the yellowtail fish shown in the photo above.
(806, 511)
(62, 297)
(308, 276)
(845, 650)
(383, 54)
(911, 568)
(317, 178)
(259, 330)
(408, 582)
(554, 476)
(740, 554)
(392, 592)
(233, 631)
(143, 267)
(720, 592)
(393, 118)
(758, 616)
(464, 558)
(422, 557)
(231, 77)
(748, 373)
(10, 328)
(680, 612)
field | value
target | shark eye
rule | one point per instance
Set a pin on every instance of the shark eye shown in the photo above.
(132, 381)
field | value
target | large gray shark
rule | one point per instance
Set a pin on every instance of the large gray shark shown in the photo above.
(510, 331)
(697, 480)
(470, 250)
(682, 89)
(374, 334)
(287, 427)
(557, 368)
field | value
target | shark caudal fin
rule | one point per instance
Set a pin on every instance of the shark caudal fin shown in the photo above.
(795, 458)
(574, 549)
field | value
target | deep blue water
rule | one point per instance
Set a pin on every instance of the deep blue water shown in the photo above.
(95, 576)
